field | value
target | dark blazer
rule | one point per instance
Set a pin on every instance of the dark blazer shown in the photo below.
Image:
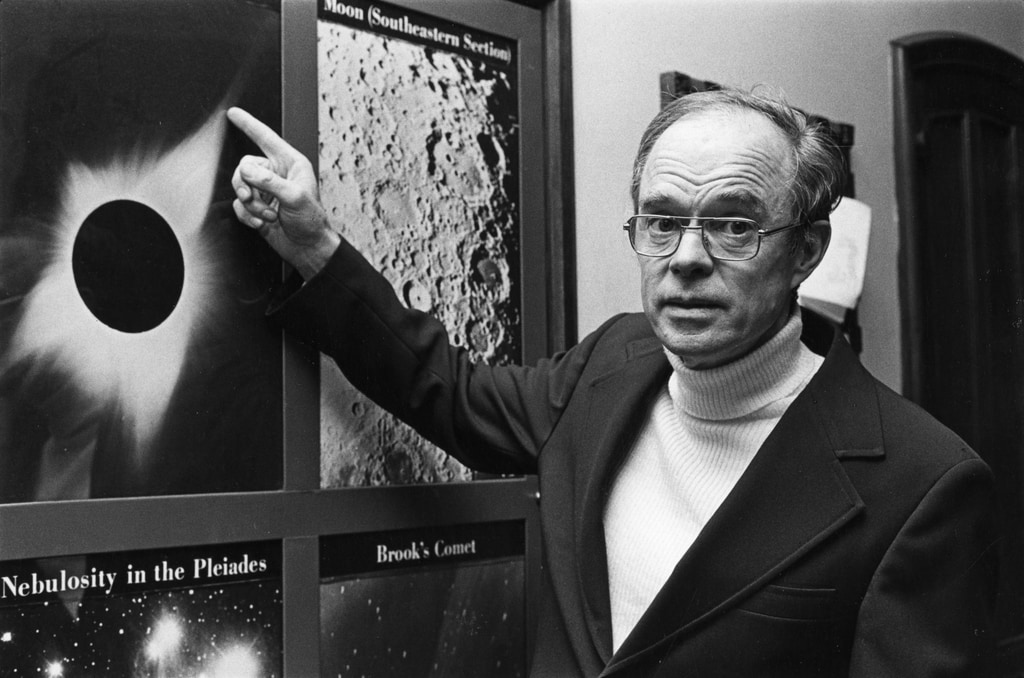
(858, 542)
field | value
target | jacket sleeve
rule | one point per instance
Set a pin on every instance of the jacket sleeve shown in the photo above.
(494, 419)
(928, 609)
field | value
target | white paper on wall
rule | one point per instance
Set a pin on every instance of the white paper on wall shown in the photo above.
(839, 279)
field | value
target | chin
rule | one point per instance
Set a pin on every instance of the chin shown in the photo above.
(691, 352)
(699, 351)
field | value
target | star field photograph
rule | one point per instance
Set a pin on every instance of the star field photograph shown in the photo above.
(198, 612)
(432, 602)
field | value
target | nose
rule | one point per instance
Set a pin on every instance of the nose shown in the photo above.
(690, 258)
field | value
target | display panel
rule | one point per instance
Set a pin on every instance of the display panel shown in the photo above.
(33, 38)
(428, 602)
(207, 611)
(419, 168)
(135, 358)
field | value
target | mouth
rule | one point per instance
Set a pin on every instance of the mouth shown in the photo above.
(692, 303)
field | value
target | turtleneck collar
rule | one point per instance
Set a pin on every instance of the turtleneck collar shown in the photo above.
(773, 371)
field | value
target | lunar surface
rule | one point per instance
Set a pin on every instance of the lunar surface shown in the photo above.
(418, 163)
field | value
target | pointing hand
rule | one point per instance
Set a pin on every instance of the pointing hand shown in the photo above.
(277, 195)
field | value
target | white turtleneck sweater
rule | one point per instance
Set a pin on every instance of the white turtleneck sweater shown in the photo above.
(703, 431)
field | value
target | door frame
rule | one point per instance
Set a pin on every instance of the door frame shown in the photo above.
(910, 54)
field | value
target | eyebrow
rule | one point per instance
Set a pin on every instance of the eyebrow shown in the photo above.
(741, 199)
(654, 203)
(745, 200)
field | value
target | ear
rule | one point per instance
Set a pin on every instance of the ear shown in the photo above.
(810, 251)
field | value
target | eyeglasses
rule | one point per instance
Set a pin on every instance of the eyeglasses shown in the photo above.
(724, 238)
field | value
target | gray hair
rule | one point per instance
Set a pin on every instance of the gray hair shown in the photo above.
(820, 172)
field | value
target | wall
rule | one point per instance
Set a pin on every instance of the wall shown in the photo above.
(830, 57)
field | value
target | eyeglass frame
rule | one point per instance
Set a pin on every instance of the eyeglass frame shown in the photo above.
(761, 233)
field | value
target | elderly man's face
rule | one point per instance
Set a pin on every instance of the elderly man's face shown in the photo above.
(714, 164)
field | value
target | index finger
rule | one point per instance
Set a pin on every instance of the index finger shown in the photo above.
(264, 137)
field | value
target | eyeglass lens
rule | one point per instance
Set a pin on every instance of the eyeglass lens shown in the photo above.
(724, 237)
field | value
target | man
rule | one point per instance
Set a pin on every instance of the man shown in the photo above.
(717, 498)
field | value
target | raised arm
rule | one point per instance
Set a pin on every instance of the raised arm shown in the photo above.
(494, 419)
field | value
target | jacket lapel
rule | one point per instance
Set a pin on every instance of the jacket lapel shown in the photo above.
(793, 495)
(619, 403)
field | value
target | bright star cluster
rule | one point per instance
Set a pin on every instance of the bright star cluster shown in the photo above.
(223, 631)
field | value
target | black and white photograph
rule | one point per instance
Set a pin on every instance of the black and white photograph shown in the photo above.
(575, 338)
(134, 356)
(213, 611)
(424, 602)
(419, 167)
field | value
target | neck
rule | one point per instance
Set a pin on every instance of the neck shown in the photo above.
(780, 322)
(744, 385)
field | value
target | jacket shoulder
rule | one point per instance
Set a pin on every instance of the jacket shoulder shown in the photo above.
(619, 339)
(909, 430)
(866, 418)
(624, 328)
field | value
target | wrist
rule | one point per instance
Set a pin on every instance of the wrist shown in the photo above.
(313, 258)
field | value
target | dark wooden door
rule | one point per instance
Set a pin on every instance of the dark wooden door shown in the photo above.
(960, 163)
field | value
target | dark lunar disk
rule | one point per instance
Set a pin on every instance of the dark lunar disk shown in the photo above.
(128, 266)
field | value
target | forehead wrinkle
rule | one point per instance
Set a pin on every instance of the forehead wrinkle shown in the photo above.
(752, 175)
(726, 184)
